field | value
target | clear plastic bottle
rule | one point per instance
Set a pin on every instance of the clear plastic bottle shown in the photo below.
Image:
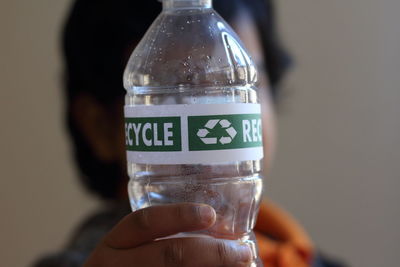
(193, 126)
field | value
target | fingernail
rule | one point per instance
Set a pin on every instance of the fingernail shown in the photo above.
(207, 214)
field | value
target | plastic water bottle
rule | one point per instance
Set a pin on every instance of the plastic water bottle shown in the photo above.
(192, 119)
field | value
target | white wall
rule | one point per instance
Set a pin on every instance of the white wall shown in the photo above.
(40, 201)
(337, 168)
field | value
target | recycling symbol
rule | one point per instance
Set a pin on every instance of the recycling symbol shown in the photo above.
(210, 125)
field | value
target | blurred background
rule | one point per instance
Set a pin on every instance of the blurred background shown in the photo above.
(338, 163)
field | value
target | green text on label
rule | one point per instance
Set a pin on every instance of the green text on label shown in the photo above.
(153, 134)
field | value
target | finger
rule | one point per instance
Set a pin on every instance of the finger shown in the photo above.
(189, 252)
(159, 221)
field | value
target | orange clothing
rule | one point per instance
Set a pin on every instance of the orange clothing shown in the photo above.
(281, 240)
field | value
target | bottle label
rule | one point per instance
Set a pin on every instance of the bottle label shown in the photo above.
(193, 134)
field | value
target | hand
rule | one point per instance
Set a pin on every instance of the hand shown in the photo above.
(132, 242)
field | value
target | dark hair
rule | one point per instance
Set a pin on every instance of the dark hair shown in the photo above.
(97, 37)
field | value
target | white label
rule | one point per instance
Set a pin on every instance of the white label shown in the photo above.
(193, 134)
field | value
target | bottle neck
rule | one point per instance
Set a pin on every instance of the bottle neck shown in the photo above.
(186, 4)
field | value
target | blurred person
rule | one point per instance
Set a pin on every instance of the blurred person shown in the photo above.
(98, 39)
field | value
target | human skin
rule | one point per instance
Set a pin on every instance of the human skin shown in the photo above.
(133, 242)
